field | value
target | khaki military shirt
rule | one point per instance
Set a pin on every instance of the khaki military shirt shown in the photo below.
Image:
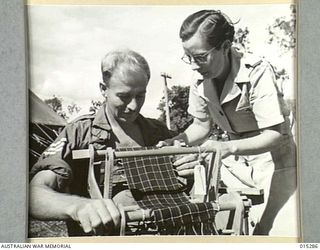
(249, 101)
(89, 129)
(96, 130)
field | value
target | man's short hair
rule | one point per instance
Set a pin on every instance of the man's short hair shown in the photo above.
(116, 59)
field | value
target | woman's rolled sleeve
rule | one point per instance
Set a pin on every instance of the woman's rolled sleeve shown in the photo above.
(264, 97)
(197, 105)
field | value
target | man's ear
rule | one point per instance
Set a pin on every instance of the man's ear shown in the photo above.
(226, 45)
(103, 89)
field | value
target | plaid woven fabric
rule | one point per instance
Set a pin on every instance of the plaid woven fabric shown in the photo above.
(184, 214)
(150, 174)
(154, 185)
(157, 201)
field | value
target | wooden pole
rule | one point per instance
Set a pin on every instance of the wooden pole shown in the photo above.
(165, 76)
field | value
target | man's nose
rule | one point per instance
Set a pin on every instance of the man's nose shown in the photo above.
(132, 105)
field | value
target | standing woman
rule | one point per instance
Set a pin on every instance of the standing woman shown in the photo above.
(240, 95)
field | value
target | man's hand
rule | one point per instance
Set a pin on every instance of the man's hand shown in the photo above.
(92, 214)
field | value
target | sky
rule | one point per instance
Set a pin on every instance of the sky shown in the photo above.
(67, 43)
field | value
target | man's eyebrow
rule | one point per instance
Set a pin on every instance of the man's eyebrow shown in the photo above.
(199, 54)
(196, 55)
(122, 93)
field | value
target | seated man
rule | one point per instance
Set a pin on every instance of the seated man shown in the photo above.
(58, 188)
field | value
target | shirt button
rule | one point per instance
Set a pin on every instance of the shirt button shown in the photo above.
(221, 113)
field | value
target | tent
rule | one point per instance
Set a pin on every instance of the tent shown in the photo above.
(44, 126)
(41, 113)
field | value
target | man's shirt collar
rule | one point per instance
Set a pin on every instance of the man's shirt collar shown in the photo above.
(101, 120)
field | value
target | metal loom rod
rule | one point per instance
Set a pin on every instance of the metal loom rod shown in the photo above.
(84, 153)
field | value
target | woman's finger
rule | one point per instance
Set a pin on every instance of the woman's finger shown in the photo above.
(164, 143)
(176, 143)
(161, 144)
(185, 173)
(186, 159)
(189, 165)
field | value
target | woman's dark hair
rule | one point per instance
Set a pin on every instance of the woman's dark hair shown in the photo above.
(214, 25)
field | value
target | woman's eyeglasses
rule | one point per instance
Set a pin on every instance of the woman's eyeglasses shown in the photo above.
(198, 59)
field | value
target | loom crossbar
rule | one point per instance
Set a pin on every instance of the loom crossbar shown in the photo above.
(84, 153)
(135, 213)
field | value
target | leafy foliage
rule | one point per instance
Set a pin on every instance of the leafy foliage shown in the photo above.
(73, 108)
(95, 106)
(241, 40)
(178, 105)
(283, 31)
(56, 104)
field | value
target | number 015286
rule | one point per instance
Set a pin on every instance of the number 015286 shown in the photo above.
(309, 245)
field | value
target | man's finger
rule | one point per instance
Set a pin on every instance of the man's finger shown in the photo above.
(103, 212)
(85, 223)
(113, 211)
(94, 217)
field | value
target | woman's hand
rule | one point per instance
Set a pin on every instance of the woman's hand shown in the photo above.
(185, 164)
(225, 148)
(170, 142)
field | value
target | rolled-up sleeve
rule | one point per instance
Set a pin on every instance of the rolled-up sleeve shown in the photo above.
(264, 97)
(198, 107)
(57, 156)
